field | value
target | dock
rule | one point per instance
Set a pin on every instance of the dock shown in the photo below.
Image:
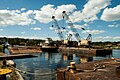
(107, 69)
(17, 56)
(90, 51)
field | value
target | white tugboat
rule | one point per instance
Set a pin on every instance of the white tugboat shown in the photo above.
(49, 46)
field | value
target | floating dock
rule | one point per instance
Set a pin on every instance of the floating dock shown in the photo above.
(17, 56)
(107, 69)
(90, 51)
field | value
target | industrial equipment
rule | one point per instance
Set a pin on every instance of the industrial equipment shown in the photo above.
(57, 28)
(85, 42)
(59, 31)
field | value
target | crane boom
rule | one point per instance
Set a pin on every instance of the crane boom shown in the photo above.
(86, 41)
(59, 32)
(72, 27)
(89, 37)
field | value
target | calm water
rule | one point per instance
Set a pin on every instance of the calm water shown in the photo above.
(49, 62)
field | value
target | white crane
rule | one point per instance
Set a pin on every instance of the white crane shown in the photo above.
(57, 28)
(86, 41)
(60, 32)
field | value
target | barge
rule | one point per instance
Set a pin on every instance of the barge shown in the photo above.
(49, 49)
(49, 46)
(107, 69)
(85, 51)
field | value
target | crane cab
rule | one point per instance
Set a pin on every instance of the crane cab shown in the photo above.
(84, 42)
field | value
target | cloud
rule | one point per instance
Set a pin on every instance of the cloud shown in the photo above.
(93, 31)
(69, 8)
(78, 26)
(36, 28)
(61, 30)
(20, 17)
(111, 14)
(25, 37)
(58, 30)
(52, 28)
(113, 25)
(23, 32)
(22, 9)
(15, 17)
(90, 11)
(82, 27)
(107, 38)
(30, 37)
(44, 15)
(1, 29)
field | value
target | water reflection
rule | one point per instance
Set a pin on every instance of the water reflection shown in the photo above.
(49, 62)
(67, 57)
(44, 63)
(84, 59)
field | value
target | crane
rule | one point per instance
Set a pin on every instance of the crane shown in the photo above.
(86, 41)
(58, 29)
(59, 32)
(65, 16)
(72, 27)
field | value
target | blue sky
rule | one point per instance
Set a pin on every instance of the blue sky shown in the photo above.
(32, 18)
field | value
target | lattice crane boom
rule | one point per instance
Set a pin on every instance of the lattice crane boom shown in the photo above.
(72, 27)
(86, 41)
(58, 29)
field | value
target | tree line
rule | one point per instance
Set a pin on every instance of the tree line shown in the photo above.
(35, 42)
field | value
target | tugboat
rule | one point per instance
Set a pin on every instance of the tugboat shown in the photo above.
(49, 46)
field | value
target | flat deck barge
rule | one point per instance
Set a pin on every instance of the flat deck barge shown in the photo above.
(95, 52)
(110, 70)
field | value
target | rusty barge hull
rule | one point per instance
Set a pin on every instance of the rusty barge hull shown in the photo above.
(110, 71)
(89, 51)
(49, 49)
(24, 49)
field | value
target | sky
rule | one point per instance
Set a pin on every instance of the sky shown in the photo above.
(32, 19)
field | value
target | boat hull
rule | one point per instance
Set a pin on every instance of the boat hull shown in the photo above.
(49, 49)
